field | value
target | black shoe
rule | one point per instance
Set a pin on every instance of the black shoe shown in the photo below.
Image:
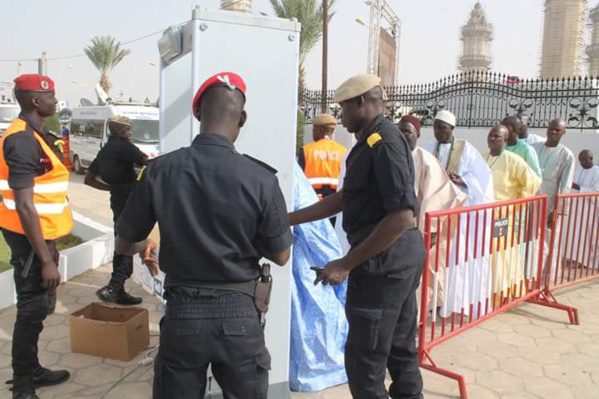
(45, 377)
(24, 395)
(107, 294)
(123, 298)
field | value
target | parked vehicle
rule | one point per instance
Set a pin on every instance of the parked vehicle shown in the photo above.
(89, 131)
(8, 112)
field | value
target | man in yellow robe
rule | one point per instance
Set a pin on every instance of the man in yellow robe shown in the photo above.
(513, 179)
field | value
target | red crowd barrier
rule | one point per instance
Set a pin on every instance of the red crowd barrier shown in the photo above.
(573, 257)
(485, 260)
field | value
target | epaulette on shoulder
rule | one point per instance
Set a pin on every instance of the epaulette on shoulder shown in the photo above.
(373, 139)
(261, 163)
(54, 134)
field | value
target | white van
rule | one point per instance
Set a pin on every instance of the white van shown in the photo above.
(8, 112)
(89, 131)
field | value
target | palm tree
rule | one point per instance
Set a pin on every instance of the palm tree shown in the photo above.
(309, 14)
(105, 53)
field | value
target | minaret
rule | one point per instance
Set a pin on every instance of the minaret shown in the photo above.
(563, 38)
(476, 39)
(236, 5)
(593, 47)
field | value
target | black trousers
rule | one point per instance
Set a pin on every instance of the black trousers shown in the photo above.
(122, 265)
(32, 305)
(382, 317)
(222, 331)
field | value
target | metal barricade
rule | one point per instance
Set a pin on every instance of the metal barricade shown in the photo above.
(573, 256)
(482, 261)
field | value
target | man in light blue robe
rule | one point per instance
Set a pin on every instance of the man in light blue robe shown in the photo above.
(318, 323)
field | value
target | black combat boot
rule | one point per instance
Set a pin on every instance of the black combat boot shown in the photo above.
(23, 388)
(118, 296)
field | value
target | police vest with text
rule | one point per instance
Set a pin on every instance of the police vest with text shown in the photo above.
(323, 163)
(49, 191)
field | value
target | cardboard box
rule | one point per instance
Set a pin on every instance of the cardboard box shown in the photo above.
(110, 331)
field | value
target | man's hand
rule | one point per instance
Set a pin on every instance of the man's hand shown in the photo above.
(455, 179)
(575, 186)
(148, 257)
(50, 275)
(334, 273)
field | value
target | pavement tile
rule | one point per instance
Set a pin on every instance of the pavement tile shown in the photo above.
(569, 335)
(539, 356)
(498, 350)
(586, 392)
(555, 345)
(532, 331)
(547, 388)
(519, 395)
(78, 360)
(521, 368)
(499, 381)
(98, 374)
(476, 361)
(572, 376)
(515, 339)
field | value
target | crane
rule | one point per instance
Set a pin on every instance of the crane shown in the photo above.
(379, 10)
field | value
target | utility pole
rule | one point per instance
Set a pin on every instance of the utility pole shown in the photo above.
(325, 53)
(19, 66)
(42, 64)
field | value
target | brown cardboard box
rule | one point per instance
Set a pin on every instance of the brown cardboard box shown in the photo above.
(110, 331)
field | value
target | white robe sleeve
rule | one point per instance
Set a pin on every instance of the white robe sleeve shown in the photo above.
(478, 178)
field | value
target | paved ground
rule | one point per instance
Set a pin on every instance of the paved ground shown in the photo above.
(530, 352)
(88, 201)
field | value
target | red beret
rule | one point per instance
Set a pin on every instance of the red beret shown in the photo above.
(413, 120)
(34, 83)
(227, 79)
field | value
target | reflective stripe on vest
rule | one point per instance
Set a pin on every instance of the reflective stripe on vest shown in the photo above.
(42, 209)
(40, 188)
(329, 181)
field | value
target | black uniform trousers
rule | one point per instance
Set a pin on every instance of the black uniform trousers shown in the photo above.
(220, 330)
(122, 265)
(33, 303)
(382, 317)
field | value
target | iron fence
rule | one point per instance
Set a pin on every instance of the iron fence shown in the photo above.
(484, 99)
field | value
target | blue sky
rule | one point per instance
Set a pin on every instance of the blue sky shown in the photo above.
(430, 43)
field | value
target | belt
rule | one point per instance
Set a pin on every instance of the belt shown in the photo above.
(226, 306)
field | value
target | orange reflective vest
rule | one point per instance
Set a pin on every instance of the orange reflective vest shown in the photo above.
(323, 162)
(49, 192)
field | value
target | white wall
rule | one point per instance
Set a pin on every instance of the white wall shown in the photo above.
(575, 140)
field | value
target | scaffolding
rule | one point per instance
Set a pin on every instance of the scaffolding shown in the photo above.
(563, 38)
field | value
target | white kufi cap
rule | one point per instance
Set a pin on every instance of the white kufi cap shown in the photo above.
(446, 116)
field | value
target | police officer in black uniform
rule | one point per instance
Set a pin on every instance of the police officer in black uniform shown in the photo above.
(218, 213)
(385, 263)
(115, 165)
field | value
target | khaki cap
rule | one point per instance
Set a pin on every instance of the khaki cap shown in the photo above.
(325, 120)
(120, 119)
(356, 86)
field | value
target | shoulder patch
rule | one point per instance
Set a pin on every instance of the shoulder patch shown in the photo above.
(261, 163)
(373, 139)
(141, 173)
(56, 135)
